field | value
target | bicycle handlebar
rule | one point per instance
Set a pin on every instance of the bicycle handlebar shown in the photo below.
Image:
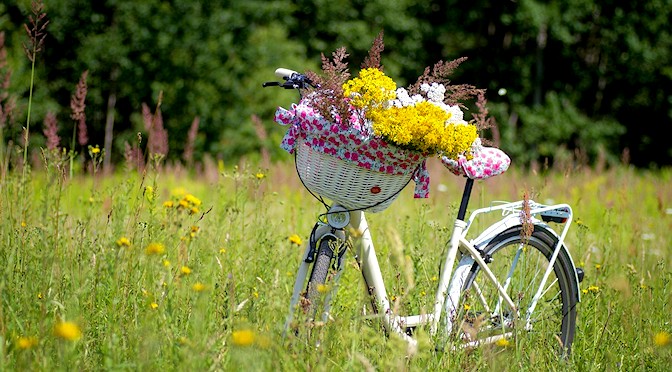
(285, 73)
(293, 80)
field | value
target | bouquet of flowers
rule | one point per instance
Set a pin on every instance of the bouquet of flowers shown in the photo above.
(419, 122)
(371, 123)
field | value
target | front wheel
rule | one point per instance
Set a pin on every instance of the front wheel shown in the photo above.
(323, 278)
(520, 263)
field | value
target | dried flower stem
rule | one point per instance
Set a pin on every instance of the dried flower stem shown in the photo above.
(188, 154)
(6, 104)
(157, 137)
(77, 106)
(36, 33)
(329, 100)
(50, 131)
(526, 219)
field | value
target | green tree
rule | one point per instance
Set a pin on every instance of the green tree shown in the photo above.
(580, 77)
(604, 65)
(207, 58)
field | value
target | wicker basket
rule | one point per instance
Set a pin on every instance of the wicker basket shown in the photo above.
(346, 183)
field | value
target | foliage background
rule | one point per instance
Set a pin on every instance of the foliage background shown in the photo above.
(584, 81)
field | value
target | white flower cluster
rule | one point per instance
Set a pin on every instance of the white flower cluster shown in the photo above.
(435, 94)
(404, 99)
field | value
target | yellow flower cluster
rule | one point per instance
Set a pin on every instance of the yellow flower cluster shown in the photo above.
(370, 89)
(295, 239)
(155, 248)
(243, 337)
(25, 343)
(423, 126)
(67, 331)
(186, 201)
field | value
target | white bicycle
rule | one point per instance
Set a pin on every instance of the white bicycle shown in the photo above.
(515, 275)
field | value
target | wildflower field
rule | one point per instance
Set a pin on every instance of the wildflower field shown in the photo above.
(171, 270)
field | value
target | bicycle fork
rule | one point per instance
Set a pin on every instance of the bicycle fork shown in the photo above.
(333, 228)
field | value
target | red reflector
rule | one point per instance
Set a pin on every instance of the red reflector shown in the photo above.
(375, 190)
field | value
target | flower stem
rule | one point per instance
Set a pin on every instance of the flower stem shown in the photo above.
(72, 149)
(27, 131)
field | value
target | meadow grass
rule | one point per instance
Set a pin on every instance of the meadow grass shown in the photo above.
(165, 270)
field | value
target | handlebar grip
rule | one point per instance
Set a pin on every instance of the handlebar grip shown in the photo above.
(284, 73)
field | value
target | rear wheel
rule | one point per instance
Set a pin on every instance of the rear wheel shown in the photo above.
(484, 316)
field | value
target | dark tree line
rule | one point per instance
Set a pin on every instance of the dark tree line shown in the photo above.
(570, 80)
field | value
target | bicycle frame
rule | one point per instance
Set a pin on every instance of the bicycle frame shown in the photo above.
(451, 280)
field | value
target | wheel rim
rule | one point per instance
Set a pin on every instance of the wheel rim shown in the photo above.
(484, 317)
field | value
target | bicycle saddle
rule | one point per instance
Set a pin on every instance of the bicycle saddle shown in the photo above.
(486, 162)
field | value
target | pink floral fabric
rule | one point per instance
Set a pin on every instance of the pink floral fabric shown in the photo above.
(350, 140)
(487, 162)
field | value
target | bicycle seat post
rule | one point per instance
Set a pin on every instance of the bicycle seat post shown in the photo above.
(466, 194)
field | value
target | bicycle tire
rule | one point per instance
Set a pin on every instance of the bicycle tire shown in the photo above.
(553, 319)
(319, 277)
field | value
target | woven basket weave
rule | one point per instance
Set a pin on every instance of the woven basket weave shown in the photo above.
(346, 183)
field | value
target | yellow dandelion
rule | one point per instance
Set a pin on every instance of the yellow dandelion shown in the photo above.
(243, 337)
(467, 307)
(598, 267)
(154, 305)
(123, 242)
(68, 331)
(155, 248)
(39, 296)
(95, 150)
(192, 200)
(584, 291)
(295, 239)
(662, 339)
(222, 250)
(183, 203)
(435, 278)
(168, 204)
(23, 224)
(503, 342)
(26, 343)
(260, 176)
(185, 270)
(166, 263)
(193, 210)
(198, 287)
(593, 288)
